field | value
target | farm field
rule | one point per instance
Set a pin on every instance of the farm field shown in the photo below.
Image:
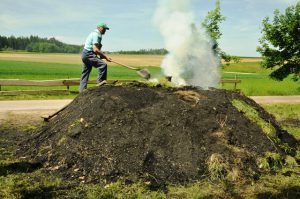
(255, 80)
(132, 60)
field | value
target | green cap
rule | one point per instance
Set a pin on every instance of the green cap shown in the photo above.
(101, 24)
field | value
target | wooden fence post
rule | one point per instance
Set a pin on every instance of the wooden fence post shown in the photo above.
(68, 86)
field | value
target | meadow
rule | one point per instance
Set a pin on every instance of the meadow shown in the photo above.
(255, 79)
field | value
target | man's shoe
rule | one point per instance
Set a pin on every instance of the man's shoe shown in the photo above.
(101, 83)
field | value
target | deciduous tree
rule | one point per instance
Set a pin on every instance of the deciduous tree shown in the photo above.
(212, 24)
(280, 43)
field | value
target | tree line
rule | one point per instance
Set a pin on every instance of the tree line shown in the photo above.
(52, 45)
(160, 51)
(37, 44)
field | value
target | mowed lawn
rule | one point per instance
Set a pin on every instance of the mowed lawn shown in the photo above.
(255, 80)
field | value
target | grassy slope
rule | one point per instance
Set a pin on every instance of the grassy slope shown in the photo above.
(288, 116)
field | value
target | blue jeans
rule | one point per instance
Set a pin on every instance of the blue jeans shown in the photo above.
(89, 60)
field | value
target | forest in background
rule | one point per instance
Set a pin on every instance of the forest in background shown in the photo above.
(52, 45)
(37, 44)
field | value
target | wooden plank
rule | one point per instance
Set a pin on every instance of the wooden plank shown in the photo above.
(33, 92)
(230, 81)
(75, 82)
(62, 82)
(22, 82)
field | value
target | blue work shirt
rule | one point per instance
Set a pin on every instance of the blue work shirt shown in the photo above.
(94, 37)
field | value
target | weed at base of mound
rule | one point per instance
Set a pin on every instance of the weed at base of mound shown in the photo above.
(271, 161)
(217, 167)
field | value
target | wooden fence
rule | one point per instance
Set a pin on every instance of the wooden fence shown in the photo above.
(44, 83)
(64, 82)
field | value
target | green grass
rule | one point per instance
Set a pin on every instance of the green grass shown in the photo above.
(255, 84)
(288, 116)
(263, 85)
(41, 185)
(259, 83)
(48, 71)
(40, 71)
(254, 116)
(246, 67)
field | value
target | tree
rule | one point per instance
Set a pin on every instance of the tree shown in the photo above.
(37, 44)
(280, 43)
(212, 24)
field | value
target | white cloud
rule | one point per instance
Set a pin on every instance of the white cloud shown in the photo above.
(32, 13)
(70, 39)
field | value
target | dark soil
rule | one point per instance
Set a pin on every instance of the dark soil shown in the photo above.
(155, 134)
(11, 135)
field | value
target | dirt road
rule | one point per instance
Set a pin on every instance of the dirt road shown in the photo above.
(277, 99)
(37, 108)
(34, 108)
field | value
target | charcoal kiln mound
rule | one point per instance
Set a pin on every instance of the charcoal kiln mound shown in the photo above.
(154, 134)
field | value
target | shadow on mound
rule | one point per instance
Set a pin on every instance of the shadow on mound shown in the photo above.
(18, 167)
(291, 192)
(157, 135)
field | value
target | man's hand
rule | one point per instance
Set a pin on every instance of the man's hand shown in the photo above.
(108, 59)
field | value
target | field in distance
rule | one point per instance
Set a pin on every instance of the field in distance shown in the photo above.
(132, 60)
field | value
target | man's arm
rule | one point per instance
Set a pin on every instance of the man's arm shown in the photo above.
(100, 53)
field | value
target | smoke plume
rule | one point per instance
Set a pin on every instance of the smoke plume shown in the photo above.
(191, 60)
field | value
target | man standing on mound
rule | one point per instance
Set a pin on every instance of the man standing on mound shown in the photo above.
(92, 48)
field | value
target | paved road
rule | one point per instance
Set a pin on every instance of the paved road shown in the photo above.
(44, 107)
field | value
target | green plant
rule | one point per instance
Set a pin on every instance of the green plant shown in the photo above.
(270, 161)
(217, 167)
(254, 116)
(280, 43)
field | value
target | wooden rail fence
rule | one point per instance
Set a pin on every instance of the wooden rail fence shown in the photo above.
(64, 82)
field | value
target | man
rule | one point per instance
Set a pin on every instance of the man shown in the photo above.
(92, 48)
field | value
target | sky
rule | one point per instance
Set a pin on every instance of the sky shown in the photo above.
(131, 21)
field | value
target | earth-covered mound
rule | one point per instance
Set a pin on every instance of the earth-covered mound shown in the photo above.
(157, 135)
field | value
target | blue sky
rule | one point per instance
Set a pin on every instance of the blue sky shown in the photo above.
(131, 21)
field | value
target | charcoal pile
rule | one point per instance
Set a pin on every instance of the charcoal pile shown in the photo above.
(154, 134)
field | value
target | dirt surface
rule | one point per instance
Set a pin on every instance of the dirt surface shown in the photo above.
(29, 108)
(277, 99)
(157, 135)
(132, 60)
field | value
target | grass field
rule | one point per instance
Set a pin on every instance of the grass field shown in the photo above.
(255, 80)
(288, 116)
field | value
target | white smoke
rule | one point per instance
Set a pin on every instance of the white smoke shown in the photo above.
(191, 60)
